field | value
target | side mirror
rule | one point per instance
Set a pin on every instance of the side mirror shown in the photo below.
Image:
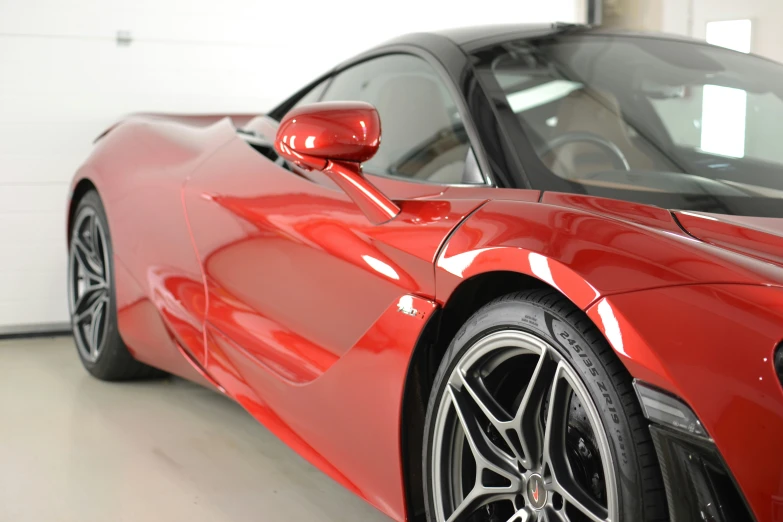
(336, 138)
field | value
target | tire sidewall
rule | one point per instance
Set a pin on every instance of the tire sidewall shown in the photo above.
(578, 351)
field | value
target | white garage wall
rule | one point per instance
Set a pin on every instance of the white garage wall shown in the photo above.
(63, 79)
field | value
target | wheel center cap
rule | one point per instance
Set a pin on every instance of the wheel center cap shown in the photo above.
(536, 494)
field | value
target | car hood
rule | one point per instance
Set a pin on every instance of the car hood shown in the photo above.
(758, 237)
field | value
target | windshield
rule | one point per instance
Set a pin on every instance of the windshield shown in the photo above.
(681, 125)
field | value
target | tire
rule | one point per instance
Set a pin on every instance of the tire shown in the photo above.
(92, 300)
(533, 417)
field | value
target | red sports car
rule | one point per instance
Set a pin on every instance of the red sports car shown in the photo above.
(508, 274)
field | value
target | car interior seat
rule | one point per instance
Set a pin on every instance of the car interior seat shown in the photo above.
(417, 134)
(593, 112)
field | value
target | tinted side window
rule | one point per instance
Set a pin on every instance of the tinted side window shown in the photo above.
(313, 96)
(422, 135)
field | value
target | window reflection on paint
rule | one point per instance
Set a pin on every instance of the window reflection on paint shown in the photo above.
(539, 265)
(381, 267)
(457, 264)
(611, 326)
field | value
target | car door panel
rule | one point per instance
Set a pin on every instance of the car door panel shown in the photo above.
(269, 243)
(304, 306)
(295, 272)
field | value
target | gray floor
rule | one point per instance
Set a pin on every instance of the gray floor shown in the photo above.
(76, 449)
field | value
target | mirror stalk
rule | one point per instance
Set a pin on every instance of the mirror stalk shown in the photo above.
(336, 138)
(376, 206)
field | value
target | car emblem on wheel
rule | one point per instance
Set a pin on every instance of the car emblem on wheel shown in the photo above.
(536, 494)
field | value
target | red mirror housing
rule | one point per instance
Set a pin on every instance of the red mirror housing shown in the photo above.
(336, 138)
(337, 131)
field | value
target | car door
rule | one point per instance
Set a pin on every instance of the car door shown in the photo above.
(310, 305)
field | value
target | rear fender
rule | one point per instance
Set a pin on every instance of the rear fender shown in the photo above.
(195, 120)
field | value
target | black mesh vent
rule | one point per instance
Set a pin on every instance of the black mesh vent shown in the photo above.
(698, 484)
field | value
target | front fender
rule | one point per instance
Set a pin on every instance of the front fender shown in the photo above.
(713, 346)
(587, 255)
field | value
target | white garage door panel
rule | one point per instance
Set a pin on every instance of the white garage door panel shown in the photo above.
(43, 139)
(346, 25)
(35, 166)
(180, 20)
(64, 79)
(32, 199)
(32, 278)
(36, 257)
(96, 80)
(19, 228)
(42, 306)
(48, 130)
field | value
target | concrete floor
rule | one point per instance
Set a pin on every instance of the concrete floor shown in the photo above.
(73, 448)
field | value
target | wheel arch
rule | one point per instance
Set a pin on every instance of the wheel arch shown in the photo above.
(82, 187)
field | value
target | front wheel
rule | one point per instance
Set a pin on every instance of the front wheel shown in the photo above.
(533, 418)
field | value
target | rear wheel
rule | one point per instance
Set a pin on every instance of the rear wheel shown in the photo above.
(92, 298)
(532, 418)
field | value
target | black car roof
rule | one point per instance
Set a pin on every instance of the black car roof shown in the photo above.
(474, 37)
(467, 35)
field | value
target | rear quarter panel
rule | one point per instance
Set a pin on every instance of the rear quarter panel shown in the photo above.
(138, 170)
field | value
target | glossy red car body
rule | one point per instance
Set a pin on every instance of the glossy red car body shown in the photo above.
(280, 292)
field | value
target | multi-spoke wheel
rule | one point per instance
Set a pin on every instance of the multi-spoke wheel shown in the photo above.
(532, 418)
(91, 297)
(89, 284)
